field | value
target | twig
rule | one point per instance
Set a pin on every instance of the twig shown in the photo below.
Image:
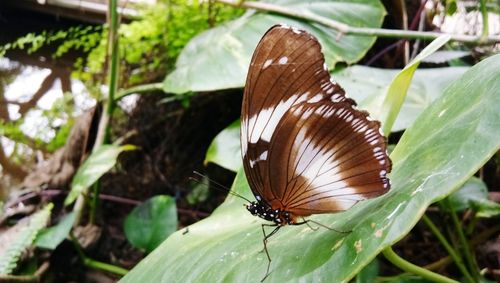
(112, 198)
(347, 30)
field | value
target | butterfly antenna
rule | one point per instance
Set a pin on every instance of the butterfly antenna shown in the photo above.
(216, 185)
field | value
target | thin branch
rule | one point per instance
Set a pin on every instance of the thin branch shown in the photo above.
(111, 198)
(350, 30)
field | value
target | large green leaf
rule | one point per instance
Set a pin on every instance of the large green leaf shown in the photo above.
(219, 58)
(445, 146)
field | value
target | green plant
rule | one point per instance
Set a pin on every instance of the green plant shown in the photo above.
(149, 224)
(17, 239)
(82, 38)
(439, 151)
(428, 166)
(150, 45)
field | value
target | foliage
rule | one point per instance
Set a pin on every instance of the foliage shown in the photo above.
(398, 88)
(227, 246)
(219, 58)
(149, 46)
(369, 273)
(151, 222)
(82, 38)
(225, 148)
(50, 238)
(199, 192)
(96, 165)
(15, 241)
(473, 190)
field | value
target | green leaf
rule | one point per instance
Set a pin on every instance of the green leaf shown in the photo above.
(368, 87)
(199, 192)
(369, 273)
(219, 58)
(444, 56)
(485, 208)
(449, 141)
(50, 238)
(396, 93)
(18, 238)
(225, 148)
(151, 223)
(96, 165)
(473, 189)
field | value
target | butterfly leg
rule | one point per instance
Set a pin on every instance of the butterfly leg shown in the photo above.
(321, 225)
(264, 241)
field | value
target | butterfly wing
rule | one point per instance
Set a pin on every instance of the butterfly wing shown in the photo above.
(287, 75)
(325, 157)
(285, 64)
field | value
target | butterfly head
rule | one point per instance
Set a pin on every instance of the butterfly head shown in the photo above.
(279, 217)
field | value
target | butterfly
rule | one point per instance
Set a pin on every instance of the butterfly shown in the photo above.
(306, 149)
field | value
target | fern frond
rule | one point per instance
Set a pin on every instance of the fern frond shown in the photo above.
(18, 238)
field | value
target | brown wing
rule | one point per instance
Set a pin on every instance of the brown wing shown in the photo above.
(287, 68)
(325, 157)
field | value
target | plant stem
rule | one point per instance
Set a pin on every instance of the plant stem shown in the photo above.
(346, 29)
(139, 89)
(113, 53)
(391, 256)
(448, 247)
(463, 241)
(484, 15)
(104, 129)
(95, 197)
(94, 263)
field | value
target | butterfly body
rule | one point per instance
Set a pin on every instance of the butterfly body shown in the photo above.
(279, 216)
